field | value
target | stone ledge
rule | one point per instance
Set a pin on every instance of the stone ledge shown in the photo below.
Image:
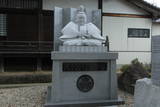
(83, 49)
(81, 103)
(83, 56)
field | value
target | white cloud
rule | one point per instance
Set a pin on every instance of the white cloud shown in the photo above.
(155, 2)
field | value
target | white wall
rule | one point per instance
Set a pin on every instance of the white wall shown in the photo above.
(121, 6)
(156, 29)
(50, 4)
(127, 57)
(129, 48)
(117, 30)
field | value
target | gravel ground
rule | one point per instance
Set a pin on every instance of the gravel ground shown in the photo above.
(35, 97)
(127, 97)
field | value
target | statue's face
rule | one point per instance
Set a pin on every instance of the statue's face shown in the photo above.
(81, 19)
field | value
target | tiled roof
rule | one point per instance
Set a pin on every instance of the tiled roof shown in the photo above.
(152, 9)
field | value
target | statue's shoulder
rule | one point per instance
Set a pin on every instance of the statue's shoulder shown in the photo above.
(70, 23)
(91, 24)
(93, 27)
(69, 26)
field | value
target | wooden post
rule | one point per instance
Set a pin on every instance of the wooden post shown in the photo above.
(1, 65)
(100, 6)
(39, 64)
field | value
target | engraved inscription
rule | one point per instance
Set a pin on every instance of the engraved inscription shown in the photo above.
(84, 66)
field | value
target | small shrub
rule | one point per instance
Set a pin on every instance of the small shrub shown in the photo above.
(25, 77)
(124, 68)
(147, 67)
(136, 62)
(131, 73)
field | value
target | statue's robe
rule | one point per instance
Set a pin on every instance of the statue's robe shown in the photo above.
(72, 34)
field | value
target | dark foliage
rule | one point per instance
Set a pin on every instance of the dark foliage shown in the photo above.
(20, 78)
(131, 73)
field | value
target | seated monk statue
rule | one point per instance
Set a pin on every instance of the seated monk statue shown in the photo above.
(81, 33)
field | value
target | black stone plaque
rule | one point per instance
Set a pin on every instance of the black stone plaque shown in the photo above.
(84, 66)
(85, 83)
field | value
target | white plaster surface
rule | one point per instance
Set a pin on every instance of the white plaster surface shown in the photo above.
(121, 6)
(127, 57)
(50, 4)
(155, 29)
(116, 28)
(146, 94)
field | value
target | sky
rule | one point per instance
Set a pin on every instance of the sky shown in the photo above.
(155, 2)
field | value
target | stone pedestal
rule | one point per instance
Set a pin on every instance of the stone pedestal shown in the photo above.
(96, 69)
(146, 94)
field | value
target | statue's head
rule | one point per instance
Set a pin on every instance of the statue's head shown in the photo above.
(81, 17)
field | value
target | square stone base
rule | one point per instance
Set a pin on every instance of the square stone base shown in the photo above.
(81, 103)
(146, 94)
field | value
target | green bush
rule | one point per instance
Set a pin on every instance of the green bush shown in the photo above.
(20, 78)
(124, 68)
(136, 62)
(131, 73)
(147, 67)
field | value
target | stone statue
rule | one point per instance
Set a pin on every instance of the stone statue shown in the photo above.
(81, 33)
(73, 85)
